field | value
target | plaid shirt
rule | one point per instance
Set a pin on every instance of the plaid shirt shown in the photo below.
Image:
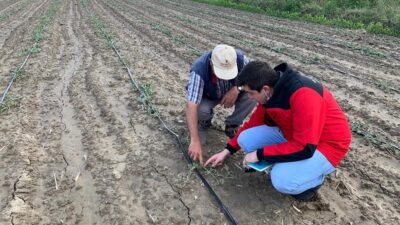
(195, 86)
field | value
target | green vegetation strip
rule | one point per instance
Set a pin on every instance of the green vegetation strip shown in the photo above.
(379, 17)
(38, 35)
(363, 130)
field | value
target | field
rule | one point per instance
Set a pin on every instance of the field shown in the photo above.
(77, 145)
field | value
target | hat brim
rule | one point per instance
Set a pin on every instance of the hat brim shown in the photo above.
(226, 74)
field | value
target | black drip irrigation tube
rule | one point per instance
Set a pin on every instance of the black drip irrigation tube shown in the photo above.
(221, 205)
(13, 78)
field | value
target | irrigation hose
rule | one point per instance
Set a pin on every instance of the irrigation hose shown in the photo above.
(185, 154)
(13, 78)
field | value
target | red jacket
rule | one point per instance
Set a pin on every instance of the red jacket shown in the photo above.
(308, 116)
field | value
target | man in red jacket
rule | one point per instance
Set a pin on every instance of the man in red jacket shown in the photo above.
(297, 125)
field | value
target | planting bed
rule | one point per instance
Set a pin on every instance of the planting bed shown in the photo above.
(78, 147)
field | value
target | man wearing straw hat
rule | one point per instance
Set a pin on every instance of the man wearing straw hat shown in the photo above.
(213, 82)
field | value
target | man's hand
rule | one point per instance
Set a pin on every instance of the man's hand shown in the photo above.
(195, 151)
(230, 97)
(250, 157)
(217, 159)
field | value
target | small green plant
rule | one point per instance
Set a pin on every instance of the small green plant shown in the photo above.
(364, 130)
(33, 50)
(279, 49)
(383, 84)
(313, 60)
(17, 73)
(365, 50)
(3, 17)
(84, 2)
(101, 31)
(177, 39)
(218, 177)
(185, 139)
(8, 103)
(146, 95)
(38, 31)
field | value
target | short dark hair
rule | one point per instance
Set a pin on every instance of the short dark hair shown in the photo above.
(257, 74)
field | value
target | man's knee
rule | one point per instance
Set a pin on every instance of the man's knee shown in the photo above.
(205, 112)
(285, 184)
(243, 141)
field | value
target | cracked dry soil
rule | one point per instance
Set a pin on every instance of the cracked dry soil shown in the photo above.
(79, 149)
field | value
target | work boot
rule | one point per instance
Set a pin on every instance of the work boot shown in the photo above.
(203, 125)
(307, 195)
(231, 130)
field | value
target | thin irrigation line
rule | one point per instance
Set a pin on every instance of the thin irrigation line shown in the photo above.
(188, 159)
(13, 78)
(126, 67)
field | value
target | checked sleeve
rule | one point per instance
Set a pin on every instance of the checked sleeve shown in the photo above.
(195, 88)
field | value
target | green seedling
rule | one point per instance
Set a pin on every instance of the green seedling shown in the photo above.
(84, 2)
(365, 50)
(8, 103)
(375, 138)
(38, 31)
(18, 73)
(218, 177)
(248, 43)
(185, 140)
(279, 49)
(3, 17)
(314, 60)
(101, 32)
(383, 84)
(146, 95)
(33, 50)
(177, 39)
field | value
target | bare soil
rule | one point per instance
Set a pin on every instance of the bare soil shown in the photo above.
(79, 122)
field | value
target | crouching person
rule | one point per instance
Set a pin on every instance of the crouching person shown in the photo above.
(297, 125)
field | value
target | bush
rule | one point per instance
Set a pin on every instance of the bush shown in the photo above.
(311, 8)
(377, 28)
(377, 16)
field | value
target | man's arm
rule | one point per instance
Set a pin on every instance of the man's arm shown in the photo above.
(308, 117)
(194, 95)
(192, 120)
(195, 150)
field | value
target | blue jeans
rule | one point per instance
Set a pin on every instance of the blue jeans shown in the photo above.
(288, 177)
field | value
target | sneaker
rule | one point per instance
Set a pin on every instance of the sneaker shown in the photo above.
(307, 195)
(231, 130)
